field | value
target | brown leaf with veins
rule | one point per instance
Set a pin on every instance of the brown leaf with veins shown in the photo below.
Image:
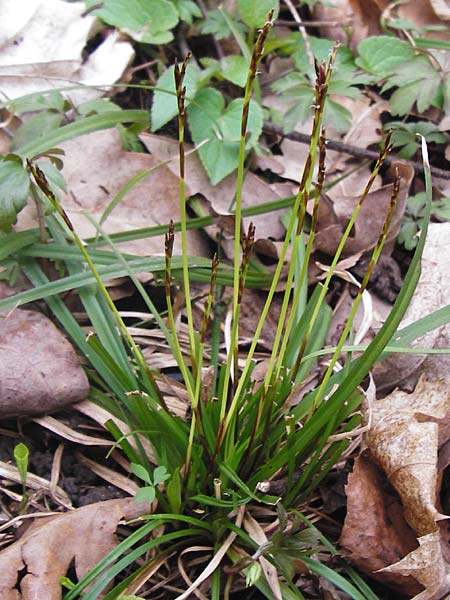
(428, 565)
(39, 370)
(95, 169)
(221, 196)
(31, 568)
(375, 533)
(404, 440)
(42, 45)
(407, 432)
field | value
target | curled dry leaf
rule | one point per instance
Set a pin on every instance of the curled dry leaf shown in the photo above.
(39, 370)
(375, 533)
(404, 441)
(441, 8)
(38, 484)
(408, 431)
(257, 533)
(32, 567)
(428, 565)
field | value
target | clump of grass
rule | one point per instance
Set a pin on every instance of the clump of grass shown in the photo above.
(247, 456)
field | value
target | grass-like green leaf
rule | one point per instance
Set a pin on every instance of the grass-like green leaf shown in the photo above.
(83, 126)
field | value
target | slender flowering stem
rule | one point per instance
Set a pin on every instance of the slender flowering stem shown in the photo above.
(323, 79)
(254, 64)
(196, 421)
(179, 73)
(308, 252)
(42, 183)
(169, 241)
(373, 261)
(384, 152)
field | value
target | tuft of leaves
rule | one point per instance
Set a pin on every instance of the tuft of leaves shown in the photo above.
(147, 493)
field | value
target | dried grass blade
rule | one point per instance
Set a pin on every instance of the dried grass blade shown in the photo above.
(216, 560)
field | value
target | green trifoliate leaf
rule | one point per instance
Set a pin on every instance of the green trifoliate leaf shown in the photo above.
(218, 25)
(235, 69)
(160, 475)
(418, 82)
(187, 9)
(441, 209)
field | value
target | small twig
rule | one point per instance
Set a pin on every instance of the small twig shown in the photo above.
(302, 30)
(303, 138)
(219, 50)
(286, 23)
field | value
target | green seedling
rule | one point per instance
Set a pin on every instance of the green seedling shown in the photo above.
(21, 455)
(148, 492)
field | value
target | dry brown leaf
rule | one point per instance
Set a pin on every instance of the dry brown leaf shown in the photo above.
(403, 439)
(352, 21)
(37, 561)
(407, 432)
(101, 416)
(41, 48)
(70, 434)
(110, 475)
(428, 565)
(95, 169)
(441, 8)
(251, 307)
(333, 217)
(256, 532)
(427, 12)
(36, 483)
(39, 370)
(375, 533)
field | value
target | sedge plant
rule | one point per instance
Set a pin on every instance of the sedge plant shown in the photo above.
(247, 455)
